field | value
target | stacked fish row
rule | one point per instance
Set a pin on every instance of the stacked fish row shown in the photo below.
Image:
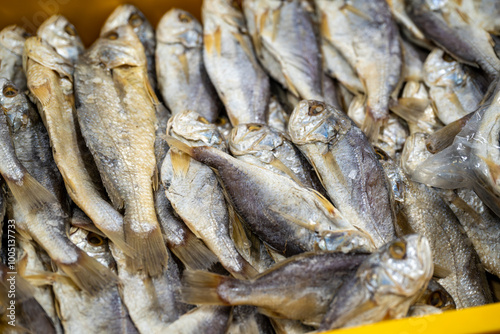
(321, 164)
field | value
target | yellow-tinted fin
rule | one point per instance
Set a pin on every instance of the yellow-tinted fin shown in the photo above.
(172, 142)
(355, 11)
(326, 203)
(42, 92)
(200, 287)
(325, 29)
(185, 66)
(408, 108)
(30, 194)
(291, 86)
(88, 274)
(208, 41)
(217, 40)
(279, 165)
(276, 21)
(371, 127)
(194, 253)
(180, 161)
(43, 278)
(293, 219)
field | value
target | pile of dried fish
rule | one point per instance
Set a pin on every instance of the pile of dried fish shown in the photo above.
(286, 167)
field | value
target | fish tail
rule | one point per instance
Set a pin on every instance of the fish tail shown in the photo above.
(88, 274)
(200, 287)
(248, 271)
(194, 254)
(444, 137)
(118, 238)
(29, 193)
(371, 126)
(149, 248)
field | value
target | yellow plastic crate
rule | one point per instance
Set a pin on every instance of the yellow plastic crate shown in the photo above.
(88, 17)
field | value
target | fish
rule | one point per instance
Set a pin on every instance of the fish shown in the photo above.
(473, 158)
(480, 223)
(247, 319)
(50, 81)
(32, 265)
(107, 92)
(203, 319)
(384, 285)
(452, 251)
(46, 222)
(454, 30)
(453, 92)
(397, 8)
(182, 77)
(128, 14)
(303, 221)
(231, 64)
(265, 147)
(12, 40)
(368, 38)
(277, 117)
(414, 152)
(298, 288)
(82, 313)
(189, 183)
(347, 166)
(153, 303)
(29, 315)
(435, 295)
(285, 43)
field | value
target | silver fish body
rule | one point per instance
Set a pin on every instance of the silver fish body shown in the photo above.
(241, 83)
(347, 167)
(182, 78)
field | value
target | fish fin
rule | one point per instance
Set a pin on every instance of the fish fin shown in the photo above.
(172, 142)
(371, 126)
(291, 86)
(208, 41)
(155, 178)
(326, 203)
(200, 287)
(324, 28)
(88, 274)
(180, 162)
(43, 278)
(279, 165)
(293, 219)
(185, 66)
(86, 224)
(150, 251)
(244, 45)
(402, 223)
(346, 241)
(30, 194)
(441, 272)
(409, 108)
(217, 41)
(42, 92)
(463, 16)
(444, 137)
(276, 256)
(355, 11)
(194, 253)
(276, 21)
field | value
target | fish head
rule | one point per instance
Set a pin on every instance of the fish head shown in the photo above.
(440, 69)
(93, 244)
(130, 15)
(12, 38)
(59, 33)
(14, 104)
(402, 267)
(314, 121)
(254, 139)
(118, 47)
(194, 130)
(179, 26)
(229, 11)
(436, 295)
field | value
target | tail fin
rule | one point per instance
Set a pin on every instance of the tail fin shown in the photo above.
(194, 254)
(200, 287)
(151, 252)
(88, 274)
(371, 126)
(30, 194)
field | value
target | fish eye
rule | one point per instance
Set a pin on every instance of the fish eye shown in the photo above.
(10, 91)
(255, 127)
(95, 239)
(447, 58)
(316, 109)
(436, 299)
(202, 120)
(112, 36)
(70, 30)
(135, 20)
(184, 18)
(221, 121)
(381, 154)
(398, 250)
